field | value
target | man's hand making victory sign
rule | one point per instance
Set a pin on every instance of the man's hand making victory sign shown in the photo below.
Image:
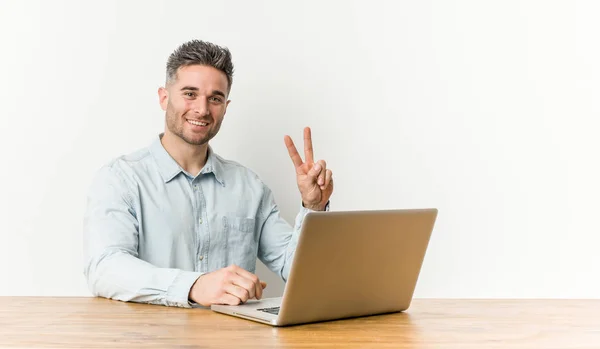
(314, 179)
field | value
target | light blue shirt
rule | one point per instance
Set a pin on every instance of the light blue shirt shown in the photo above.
(151, 229)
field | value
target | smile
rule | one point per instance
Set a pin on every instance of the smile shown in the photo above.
(197, 123)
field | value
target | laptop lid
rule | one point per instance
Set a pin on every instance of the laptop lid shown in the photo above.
(356, 263)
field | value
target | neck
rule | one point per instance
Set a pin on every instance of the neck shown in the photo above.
(191, 158)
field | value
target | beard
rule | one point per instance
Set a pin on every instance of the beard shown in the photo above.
(176, 125)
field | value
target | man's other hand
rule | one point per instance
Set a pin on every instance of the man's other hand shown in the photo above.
(231, 286)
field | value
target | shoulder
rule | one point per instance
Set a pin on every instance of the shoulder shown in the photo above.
(128, 164)
(124, 170)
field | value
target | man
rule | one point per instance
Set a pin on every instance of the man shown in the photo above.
(174, 223)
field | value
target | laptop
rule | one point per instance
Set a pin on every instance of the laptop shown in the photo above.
(348, 264)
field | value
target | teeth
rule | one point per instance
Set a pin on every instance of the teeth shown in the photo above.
(197, 123)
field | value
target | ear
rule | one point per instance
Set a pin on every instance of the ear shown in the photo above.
(163, 98)
(226, 105)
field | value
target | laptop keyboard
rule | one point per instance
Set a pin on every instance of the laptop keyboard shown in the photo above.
(273, 310)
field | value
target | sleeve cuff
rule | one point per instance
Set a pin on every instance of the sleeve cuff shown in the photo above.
(178, 292)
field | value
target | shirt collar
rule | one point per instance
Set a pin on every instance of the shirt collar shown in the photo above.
(214, 165)
(169, 168)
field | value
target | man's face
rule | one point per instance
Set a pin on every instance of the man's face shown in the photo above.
(195, 103)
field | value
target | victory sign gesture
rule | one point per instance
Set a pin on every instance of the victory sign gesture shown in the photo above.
(314, 178)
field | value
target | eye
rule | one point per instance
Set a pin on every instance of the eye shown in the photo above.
(216, 100)
(189, 94)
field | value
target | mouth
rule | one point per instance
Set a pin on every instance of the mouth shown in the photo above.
(197, 123)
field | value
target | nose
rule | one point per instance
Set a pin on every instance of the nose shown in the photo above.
(201, 107)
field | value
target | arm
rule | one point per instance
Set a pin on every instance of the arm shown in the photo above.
(110, 240)
(278, 240)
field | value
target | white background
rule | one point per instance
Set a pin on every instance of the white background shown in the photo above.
(486, 110)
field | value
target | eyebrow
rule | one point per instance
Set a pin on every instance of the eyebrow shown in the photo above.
(192, 88)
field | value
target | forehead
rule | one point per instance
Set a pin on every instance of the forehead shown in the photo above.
(201, 76)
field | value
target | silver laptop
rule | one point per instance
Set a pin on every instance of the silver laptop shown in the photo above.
(348, 264)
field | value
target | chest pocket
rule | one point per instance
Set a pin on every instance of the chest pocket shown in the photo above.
(241, 246)
(241, 224)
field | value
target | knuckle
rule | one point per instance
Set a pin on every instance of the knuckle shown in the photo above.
(228, 276)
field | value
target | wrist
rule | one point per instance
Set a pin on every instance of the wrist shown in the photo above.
(193, 293)
(314, 207)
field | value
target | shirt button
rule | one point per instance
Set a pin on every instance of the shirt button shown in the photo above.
(200, 221)
(196, 187)
(201, 257)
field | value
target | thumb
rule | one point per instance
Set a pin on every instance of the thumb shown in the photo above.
(314, 171)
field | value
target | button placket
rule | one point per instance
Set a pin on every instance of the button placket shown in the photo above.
(203, 237)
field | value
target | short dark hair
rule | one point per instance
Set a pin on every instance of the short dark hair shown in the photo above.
(202, 53)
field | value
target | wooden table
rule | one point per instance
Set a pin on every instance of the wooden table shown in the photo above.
(100, 323)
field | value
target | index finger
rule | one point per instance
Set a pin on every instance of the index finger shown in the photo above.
(248, 275)
(296, 159)
(308, 147)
